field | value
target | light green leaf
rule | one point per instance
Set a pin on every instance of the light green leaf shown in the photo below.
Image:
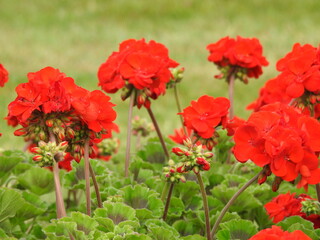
(10, 202)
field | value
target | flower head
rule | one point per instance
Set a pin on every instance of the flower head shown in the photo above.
(276, 233)
(3, 75)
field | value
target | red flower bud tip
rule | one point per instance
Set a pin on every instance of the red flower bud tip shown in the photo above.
(77, 157)
(181, 169)
(167, 175)
(206, 167)
(70, 133)
(187, 153)
(37, 158)
(77, 148)
(178, 151)
(313, 99)
(196, 169)
(49, 122)
(61, 135)
(183, 179)
(172, 170)
(210, 144)
(36, 150)
(262, 178)
(208, 155)
(140, 100)
(276, 184)
(20, 132)
(201, 161)
(147, 103)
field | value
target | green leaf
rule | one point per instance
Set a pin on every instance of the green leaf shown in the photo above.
(10, 202)
(190, 227)
(160, 230)
(239, 229)
(8, 160)
(176, 207)
(32, 206)
(37, 180)
(194, 237)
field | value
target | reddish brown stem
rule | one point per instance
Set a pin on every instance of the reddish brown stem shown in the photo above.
(96, 186)
(166, 208)
(87, 176)
(129, 130)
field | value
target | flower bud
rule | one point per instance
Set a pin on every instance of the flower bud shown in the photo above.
(37, 158)
(36, 150)
(49, 122)
(183, 179)
(20, 132)
(178, 151)
(196, 169)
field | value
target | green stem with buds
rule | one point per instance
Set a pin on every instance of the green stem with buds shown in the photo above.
(166, 208)
(129, 130)
(87, 176)
(227, 206)
(205, 205)
(156, 126)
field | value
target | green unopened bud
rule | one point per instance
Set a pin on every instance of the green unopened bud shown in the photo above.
(171, 162)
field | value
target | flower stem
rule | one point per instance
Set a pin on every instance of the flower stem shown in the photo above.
(96, 186)
(61, 210)
(230, 80)
(165, 212)
(87, 176)
(176, 96)
(154, 121)
(205, 205)
(227, 206)
(318, 191)
(129, 130)
(164, 191)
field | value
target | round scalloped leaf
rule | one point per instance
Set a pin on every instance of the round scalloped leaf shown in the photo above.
(10, 202)
(193, 237)
(160, 230)
(189, 227)
(31, 207)
(117, 212)
(8, 160)
(227, 217)
(37, 180)
(137, 165)
(176, 207)
(74, 179)
(238, 229)
(233, 180)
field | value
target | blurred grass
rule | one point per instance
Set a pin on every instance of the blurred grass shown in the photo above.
(77, 36)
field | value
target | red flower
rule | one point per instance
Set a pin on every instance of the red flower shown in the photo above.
(205, 114)
(144, 66)
(300, 70)
(244, 53)
(3, 75)
(284, 139)
(179, 135)
(276, 233)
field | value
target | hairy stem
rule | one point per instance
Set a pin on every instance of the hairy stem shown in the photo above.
(166, 208)
(87, 176)
(156, 126)
(227, 206)
(96, 186)
(176, 96)
(61, 210)
(129, 130)
(205, 205)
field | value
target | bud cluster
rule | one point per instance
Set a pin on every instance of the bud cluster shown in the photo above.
(48, 153)
(107, 147)
(172, 174)
(141, 126)
(177, 76)
(310, 206)
(239, 73)
(193, 158)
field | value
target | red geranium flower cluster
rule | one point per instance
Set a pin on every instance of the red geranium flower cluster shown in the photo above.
(271, 92)
(281, 139)
(139, 65)
(52, 102)
(276, 233)
(300, 71)
(3, 75)
(204, 115)
(243, 54)
(286, 205)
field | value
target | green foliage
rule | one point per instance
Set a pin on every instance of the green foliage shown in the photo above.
(10, 202)
(236, 229)
(8, 160)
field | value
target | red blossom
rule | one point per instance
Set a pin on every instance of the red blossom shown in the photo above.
(205, 114)
(179, 135)
(139, 64)
(3, 75)
(284, 139)
(276, 233)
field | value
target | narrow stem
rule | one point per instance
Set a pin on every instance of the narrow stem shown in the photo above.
(96, 186)
(205, 205)
(138, 141)
(227, 206)
(230, 80)
(318, 191)
(61, 211)
(154, 121)
(176, 96)
(165, 212)
(87, 176)
(129, 130)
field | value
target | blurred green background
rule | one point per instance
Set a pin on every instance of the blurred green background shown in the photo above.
(77, 36)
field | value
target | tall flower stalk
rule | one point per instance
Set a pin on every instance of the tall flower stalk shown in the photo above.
(129, 133)
(87, 176)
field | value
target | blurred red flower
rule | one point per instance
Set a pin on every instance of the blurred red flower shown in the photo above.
(3, 75)
(276, 233)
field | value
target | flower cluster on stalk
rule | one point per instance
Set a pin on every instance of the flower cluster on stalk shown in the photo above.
(286, 205)
(283, 141)
(191, 158)
(204, 116)
(239, 56)
(139, 66)
(50, 105)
